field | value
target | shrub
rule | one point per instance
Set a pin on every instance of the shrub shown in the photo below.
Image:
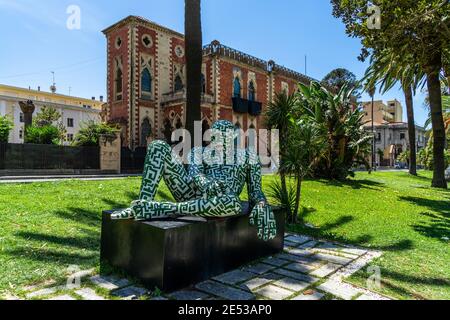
(5, 128)
(47, 134)
(90, 132)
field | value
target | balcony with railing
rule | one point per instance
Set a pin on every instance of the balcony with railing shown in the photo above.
(180, 96)
(240, 105)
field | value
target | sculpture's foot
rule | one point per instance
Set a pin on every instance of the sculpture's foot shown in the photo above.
(123, 215)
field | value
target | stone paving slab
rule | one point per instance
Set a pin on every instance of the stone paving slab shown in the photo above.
(339, 289)
(41, 293)
(314, 296)
(223, 291)
(300, 252)
(298, 239)
(297, 276)
(259, 268)
(288, 244)
(275, 261)
(333, 258)
(308, 245)
(234, 277)
(274, 293)
(300, 267)
(260, 281)
(109, 283)
(88, 294)
(292, 284)
(326, 270)
(64, 297)
(130, 293)
(189, 295)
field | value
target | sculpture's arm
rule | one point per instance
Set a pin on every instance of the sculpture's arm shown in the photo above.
(262, 215)
(254, 180)
(206, 185)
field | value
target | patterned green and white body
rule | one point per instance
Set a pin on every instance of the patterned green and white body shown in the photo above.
(207, 188)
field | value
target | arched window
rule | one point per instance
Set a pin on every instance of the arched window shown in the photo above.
(203, 84)
(146, 131)
(168, 130)
(146, 81)
(251, 91)
(237, 140)
(178, 83)
(119, 83)
(236, 88)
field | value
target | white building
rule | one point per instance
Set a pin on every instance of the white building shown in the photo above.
(74, 110)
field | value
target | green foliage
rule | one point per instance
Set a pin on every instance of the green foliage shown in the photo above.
(404, 156)
(282, 197)
(47, 134)
(6, 126)
(340, 77)
(348, 144)
(46, 116)
(90, 132)
(426, 159)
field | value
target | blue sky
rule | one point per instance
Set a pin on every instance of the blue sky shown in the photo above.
(36, 41)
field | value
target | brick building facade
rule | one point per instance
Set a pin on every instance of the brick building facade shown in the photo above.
(146, 82)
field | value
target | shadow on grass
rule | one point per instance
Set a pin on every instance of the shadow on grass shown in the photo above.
(326, 232)
(354, 184)
(80, 215)
(389, 279)
(54, 257)
(437, 223)
(91, 243)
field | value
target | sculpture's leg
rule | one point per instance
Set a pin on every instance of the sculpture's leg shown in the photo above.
(160, 162)
(227, 205)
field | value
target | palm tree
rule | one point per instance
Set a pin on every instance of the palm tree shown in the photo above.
(277, 117)
(194, 56)
(342, 125)
(386, 70)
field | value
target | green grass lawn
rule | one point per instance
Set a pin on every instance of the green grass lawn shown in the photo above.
(46, 227)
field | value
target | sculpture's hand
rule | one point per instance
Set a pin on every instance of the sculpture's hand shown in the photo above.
(263, 218)
(123, 215)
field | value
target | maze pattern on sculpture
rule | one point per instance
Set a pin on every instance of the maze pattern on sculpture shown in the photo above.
(207, 188)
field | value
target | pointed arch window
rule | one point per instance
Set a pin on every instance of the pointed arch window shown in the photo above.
(119, 83)
(178, 86)
(236, 88)
(251, 91)
(146, 81)
(146, 131)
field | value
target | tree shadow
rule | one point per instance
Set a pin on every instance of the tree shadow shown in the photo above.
(80, 215)
(54, 257)
(437, 223)
(86, 242)
(354, 184)
(388, 276)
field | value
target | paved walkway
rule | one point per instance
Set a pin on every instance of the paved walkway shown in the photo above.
(308, 269)
(32, 179)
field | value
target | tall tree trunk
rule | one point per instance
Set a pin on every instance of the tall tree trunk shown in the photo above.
(194, 56)
(437, 120)
(411, 129)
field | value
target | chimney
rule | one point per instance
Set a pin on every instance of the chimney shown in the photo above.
(101, 98)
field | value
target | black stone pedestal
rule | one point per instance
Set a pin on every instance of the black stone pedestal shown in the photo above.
(173, 254)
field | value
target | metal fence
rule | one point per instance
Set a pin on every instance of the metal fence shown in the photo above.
(47, 157)
(133, 161)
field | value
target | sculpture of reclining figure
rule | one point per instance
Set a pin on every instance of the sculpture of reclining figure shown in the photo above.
(210, 187)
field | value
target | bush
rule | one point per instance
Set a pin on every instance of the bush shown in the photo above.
(5, 128)
(90, 132)
(47, 134)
